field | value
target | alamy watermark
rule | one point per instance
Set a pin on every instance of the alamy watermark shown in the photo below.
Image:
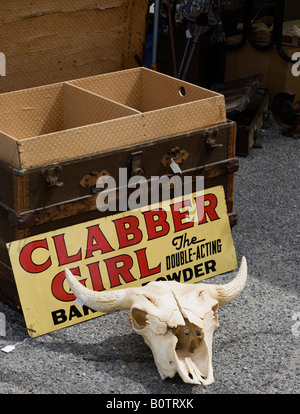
(140, 193)
(296, 325)
(2, 64)
(2, 324)
(296, 65)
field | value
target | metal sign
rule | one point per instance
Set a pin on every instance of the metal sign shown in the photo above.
(184, 240)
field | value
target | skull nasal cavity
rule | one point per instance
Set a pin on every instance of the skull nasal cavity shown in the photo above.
(138, 318)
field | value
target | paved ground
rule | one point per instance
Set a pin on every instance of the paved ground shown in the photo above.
(256, 348)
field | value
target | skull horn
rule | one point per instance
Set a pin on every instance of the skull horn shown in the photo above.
(227, 293)
(106, 302)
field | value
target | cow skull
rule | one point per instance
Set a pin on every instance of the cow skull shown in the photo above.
(176, 320)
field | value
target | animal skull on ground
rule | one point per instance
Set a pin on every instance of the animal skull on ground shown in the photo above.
(176, 320)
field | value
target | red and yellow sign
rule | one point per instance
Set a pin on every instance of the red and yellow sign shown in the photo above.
(186, 242)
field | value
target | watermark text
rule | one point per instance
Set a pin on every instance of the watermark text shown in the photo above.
(138, 192)
(296, 326)
(296, 65)
(2, 324)
(2, 64)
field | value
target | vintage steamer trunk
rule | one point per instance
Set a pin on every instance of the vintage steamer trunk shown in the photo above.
(250, 121)
(56, 140)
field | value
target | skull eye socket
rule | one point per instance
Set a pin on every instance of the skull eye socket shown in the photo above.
(139, 318)
(198, 332)
(215, 308)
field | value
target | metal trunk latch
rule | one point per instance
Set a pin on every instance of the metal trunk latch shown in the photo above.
(177, 155)
(211, 140)
(51, 176)
(90, 180)
(136, 164)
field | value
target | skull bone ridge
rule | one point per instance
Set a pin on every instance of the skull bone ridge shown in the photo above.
(176, 320)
